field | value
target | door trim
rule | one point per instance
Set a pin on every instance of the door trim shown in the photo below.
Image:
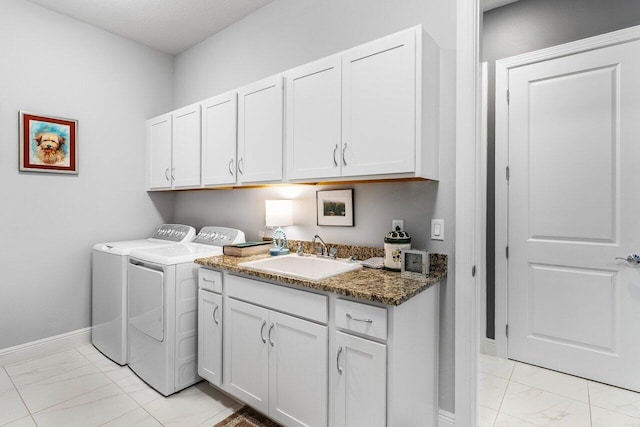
(503, 67)
(467, 289)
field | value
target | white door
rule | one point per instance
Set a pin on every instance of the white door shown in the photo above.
(360, 382)
(379, 106)
(574, 207)
(219, 139)
(159, 152)
(260, 131)
(297, 371)
(186, 147)
(246, 353)
(313, 120)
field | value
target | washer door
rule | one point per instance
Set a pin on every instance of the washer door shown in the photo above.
(146, 300)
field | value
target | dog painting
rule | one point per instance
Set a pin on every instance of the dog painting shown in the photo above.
(47, 144)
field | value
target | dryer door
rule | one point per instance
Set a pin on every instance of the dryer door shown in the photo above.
(146, 300)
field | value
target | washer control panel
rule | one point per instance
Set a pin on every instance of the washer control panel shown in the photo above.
(219, 236)
(174, 233)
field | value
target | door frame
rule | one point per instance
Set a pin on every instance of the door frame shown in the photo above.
(468, 238)
(503, 67)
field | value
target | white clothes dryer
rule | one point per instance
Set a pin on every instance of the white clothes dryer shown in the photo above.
(163, 309)
(109, 287)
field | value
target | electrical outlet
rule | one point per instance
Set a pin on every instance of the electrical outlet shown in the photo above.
(397, 225)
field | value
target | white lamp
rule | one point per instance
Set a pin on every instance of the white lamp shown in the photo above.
(278, 213)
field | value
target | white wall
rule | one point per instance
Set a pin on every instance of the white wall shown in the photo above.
(288, 33)
(58, 66)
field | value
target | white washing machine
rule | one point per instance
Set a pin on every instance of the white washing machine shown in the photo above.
(109, 287)
(163, 309)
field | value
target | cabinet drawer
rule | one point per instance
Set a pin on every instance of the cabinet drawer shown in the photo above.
(210, 280)
(361, 318)
(299, 303)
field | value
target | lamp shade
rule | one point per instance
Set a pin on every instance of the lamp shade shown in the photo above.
(278, 213)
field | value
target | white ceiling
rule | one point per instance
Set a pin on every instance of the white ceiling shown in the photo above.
(171, 26)
(492, 4)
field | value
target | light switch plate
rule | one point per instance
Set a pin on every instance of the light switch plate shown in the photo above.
(437, 229)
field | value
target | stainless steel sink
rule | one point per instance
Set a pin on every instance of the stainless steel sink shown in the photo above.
(303, 267)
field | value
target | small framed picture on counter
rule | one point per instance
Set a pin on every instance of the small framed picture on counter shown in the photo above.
(335, 207)
(414, 263)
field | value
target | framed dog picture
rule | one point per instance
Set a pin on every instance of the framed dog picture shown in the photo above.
(48, 144)
(335, 207)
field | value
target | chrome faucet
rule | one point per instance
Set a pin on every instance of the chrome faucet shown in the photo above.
(320, 250)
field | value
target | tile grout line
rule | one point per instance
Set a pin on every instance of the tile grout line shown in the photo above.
(504, 393)
(66, 372)
(123, 390)
(589, 400)
(20, 396)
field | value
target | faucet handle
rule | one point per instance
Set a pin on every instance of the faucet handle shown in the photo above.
(319, 250)
(299, 250)
(333, 252)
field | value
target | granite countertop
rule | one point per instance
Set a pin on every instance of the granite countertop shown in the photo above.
(367, 284)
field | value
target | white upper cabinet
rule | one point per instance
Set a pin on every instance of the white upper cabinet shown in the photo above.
(370, 112)
(219, 139)
(379, 106)
(313, 120)
(260, 131)
(185, 170)
(159, 153)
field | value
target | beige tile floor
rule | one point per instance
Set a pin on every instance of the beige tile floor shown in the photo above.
(514, 394)
(81, 387)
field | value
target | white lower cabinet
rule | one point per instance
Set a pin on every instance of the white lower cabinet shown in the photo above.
(246, 354)
(210, 336)
(276, 363)
(361, 382)
(381, 368)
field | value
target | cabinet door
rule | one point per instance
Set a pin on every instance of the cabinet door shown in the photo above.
(297, 371)
(313, 120)
(246, 353)
(186, 147)
(210, 337)
(159, 152)
(360, 381)
(260, 131)
(379, 106)
(219, 139)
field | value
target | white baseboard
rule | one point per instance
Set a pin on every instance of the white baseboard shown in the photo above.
(446, 419)
(44, 346)
(488, 346)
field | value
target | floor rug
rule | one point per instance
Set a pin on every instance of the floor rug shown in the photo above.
(247, 417)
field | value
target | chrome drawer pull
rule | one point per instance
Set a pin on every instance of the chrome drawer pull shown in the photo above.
(264, 340)
(216, 321)
(344, 160)
(204, 279)
(338, 360)
(350, 317)
(335, 162)
(166, 174)
(230, 164)
(270, 329)
(241, 166)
